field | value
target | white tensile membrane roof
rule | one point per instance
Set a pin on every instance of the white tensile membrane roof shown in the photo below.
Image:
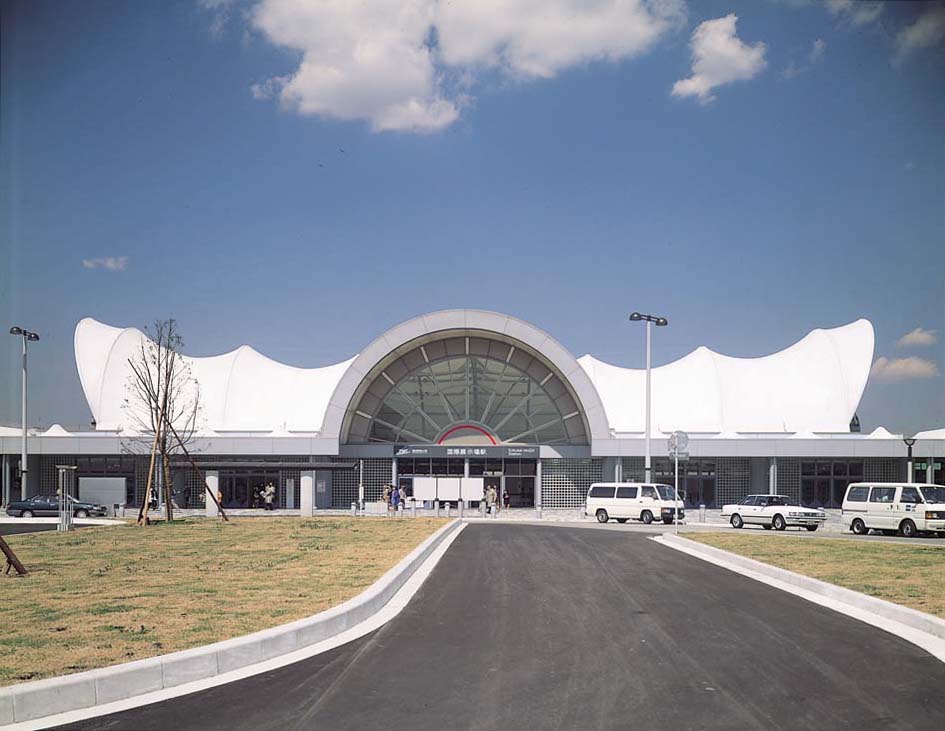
(814, 386)
(240, 391)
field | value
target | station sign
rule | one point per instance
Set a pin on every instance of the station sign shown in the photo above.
(443, 450)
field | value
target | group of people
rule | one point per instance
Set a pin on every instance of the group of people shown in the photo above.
(491, 497)
(263, 497)
(394, 497)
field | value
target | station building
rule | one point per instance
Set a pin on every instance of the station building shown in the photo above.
(450, 402)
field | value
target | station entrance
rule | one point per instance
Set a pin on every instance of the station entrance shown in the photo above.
(510, 476)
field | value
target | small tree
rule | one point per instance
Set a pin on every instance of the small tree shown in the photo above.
(162, 393)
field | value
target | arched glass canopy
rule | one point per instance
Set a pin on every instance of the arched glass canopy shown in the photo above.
(467, 389)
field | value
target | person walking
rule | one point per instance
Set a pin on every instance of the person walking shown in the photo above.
(385, 496)
(269, 494)
(506, 498)
(395, 499)
(490, 499)
(403, 496)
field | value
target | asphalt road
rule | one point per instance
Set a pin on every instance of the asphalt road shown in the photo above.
(524, 626)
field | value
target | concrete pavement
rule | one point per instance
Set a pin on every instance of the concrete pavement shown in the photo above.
(534, 626)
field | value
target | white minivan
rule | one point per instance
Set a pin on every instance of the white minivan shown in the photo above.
(907, 509)
(624, 500)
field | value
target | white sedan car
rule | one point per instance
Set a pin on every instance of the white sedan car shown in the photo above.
(772, 511)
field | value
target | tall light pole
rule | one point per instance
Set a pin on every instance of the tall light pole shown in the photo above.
(659, 322)
(30, 337)
(910, 441)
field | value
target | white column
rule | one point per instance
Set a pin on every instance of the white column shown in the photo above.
(538, 484)
(213, 485)
(772, 476)
(307, 493)
(290, 493)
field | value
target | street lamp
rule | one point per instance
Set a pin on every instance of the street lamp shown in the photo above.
(659, 322)
(32, 338)
(909, 442)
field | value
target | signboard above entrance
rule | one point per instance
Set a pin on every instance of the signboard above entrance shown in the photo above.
(438, 450)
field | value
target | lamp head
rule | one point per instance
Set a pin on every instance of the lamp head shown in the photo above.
(661, 322)
(16, 330)
(32, 337)
(909, 441)
(634, 316)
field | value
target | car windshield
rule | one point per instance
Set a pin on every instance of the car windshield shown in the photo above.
(666, 492)
(933, 494)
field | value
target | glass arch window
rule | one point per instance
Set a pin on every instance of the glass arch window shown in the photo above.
(467, 388)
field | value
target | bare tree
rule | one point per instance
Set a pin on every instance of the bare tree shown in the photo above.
(163, 402)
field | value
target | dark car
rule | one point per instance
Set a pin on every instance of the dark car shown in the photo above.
(46, 505)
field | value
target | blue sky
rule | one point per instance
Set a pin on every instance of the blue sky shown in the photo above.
(499, 165)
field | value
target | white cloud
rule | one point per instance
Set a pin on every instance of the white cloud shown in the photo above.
(539, 38)
(219, 14)
(719, 57)
(917, 337)
(903, 369)
(857, 12)
(928, 30)
(816, 53)
(111, 263)
(404, 64)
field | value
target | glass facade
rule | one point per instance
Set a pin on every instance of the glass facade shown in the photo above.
(823, 482)
(472, 388)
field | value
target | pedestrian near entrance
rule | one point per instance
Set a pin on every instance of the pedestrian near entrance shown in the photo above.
(506, 498)
(385, 496)
(490, 499)
(403, 496)
(395, 499)
(269, 494)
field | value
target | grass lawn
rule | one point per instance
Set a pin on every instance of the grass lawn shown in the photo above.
(906, 574)
(102, 596)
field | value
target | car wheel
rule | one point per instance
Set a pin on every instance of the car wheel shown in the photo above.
(621, 520)
(26, 514)
(859, 528)
(907, 528)
(737, 521)
(646, 517)
(81, 513)
(811, 528)
(602, 516)
(778, 523)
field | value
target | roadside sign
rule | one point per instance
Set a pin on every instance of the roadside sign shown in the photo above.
(678, 442)
(681, 456)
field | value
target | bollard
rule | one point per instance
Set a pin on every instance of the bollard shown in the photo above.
(482, 508)
(538, 511)
(701, 513)
(460, 508)
(413, 508)
(354, 509)
(436, 508)
(495, 512)
(580, 512)
(400, 510)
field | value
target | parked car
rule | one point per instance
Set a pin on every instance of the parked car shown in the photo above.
(907, 509)
(772, 511)
(46, 505)
(625, 500)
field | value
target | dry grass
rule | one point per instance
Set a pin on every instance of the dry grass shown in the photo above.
(102, 596)
(907, 574)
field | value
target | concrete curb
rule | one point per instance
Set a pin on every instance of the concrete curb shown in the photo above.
(917, 627)
(41, 698)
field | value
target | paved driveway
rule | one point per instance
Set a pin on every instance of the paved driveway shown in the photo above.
(524, 626)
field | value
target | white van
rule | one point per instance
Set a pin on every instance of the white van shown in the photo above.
(893, 507)
(624, 500)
